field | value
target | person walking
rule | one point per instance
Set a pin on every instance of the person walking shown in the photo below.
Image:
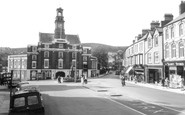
(82, 79)
(85, 79)
(122, 77)
(59, 79)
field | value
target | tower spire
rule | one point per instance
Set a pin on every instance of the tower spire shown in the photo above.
(59, 24)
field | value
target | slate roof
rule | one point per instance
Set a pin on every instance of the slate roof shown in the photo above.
(182, 16)
(49, 37)
(46, 37)
(73, 39)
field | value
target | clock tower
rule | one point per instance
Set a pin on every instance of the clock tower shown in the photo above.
(59, 25)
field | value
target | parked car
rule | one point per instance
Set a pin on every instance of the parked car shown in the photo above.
(26, 102)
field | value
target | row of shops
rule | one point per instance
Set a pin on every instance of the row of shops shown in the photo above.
(173, 71)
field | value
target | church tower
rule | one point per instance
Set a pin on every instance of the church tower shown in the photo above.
(59, 25)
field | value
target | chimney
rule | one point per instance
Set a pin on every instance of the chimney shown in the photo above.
(139, 37)
(154, 24)
(182, 8)
(144, 31)
(133, 41)
(167, 19)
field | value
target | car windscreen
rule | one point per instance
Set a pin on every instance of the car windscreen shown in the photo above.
(32, 100)
(19, 102)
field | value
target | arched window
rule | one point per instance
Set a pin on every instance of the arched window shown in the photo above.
(181, 49)
(173, 50)
(167, 51)
(181, 29)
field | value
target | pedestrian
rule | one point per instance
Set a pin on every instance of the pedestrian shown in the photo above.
(135, 79)
(182, 84)
(82, 79)
(85, 79)
(59, 79)
(163, 81)
(122, 77)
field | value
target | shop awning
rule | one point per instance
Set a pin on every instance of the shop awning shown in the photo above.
(129, 69)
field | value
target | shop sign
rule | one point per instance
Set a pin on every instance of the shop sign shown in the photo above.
(179, 63)
(171, 63)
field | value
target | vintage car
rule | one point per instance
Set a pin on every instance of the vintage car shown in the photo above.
(26, 102)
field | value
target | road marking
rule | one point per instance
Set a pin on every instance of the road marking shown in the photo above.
(163, 106)
(125, 106)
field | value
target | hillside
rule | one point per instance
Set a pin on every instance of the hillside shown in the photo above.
(107, 48)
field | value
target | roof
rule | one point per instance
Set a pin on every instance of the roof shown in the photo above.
(49, 37)
(73, 39)
(182, 16)
(46, 37)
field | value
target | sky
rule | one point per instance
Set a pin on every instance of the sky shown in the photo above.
(110, 22)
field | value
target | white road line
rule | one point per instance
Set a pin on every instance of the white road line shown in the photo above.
(173, 109)
(164, 106)
(125, 106)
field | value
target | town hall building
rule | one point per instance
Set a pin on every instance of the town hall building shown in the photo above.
(59, 54)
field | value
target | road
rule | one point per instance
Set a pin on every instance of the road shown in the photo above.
(74, 99)
(106, 96)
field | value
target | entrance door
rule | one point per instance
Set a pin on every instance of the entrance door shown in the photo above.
(60, 73)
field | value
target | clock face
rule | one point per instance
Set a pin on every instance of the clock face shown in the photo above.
(59, 25)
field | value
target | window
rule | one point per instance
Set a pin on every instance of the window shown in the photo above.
(180, 29)
(172, 32)
(84, 58)
(34, 48)
(156, 57)
(141, 47)
(156, 41)
(46, 45)
(74, 47)
(34, 57)
(166, 34)
(73, 54)
(149, 58)
(136, 48)
(132, 50)
(149, 42)
(173, 50)
(73, 63)
(46, 54)
(167, 51)
(32, 100)
(19, 102)
(46, 63)
(61, 46)
(85, 51)
(181, 49)
(34, 64)
(60, 63)
(60, 54)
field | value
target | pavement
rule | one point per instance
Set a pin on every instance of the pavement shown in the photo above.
(159, 87)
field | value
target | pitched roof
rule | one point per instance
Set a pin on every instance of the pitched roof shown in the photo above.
(73, 39)
(46, 37)
(49, 37)
(182, 16)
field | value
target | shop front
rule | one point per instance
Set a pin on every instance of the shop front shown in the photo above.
(174, 72)
(139, 72)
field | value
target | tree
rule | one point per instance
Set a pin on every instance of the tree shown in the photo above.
(102, 57)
